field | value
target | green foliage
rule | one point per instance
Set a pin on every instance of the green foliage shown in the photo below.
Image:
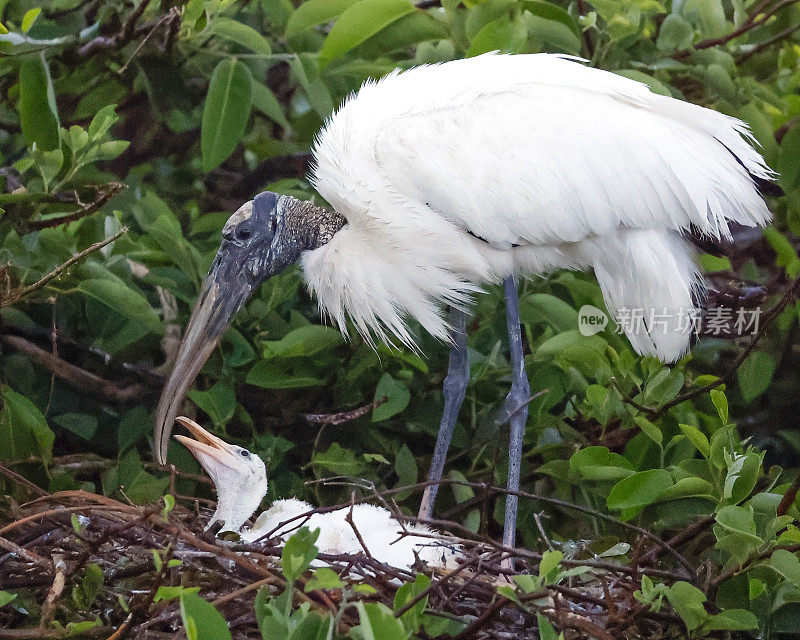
(201, 620)
(196, 110)
(298, 552)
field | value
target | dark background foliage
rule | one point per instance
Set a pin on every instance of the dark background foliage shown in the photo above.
(150, 122)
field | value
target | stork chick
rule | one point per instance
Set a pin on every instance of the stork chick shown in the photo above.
(240, 479)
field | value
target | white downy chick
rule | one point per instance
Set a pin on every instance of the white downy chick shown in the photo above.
(240, 477)
(241, 482)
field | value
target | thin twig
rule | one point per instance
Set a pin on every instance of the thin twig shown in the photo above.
(336, 419)
(103, 196)
(790, 294)
(75, 376)
(18, 294)
(759, 16)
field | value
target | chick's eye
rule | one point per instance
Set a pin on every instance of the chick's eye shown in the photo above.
(244, 453)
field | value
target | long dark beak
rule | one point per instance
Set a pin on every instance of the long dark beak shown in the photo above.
(224, 292)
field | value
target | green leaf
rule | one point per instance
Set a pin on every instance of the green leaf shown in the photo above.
(306, 71)
(687, 600)
(166, 593)
(404, 32)
(554, 33)
(405, 464)
(649, 429)
(125, 301)
(37, 103)
(548, 566)
(134, 424)
(23, 429)
(314, 12)
(298, 553)
(29, 18)
(201, 620)
(269, 374)
(378, 621)
(787, 256)
(226, 111)
(266, 102)
(6, 597)
(709, 13)
(78, 138)
(48, 163)
(102, 121)
(324, 578)
(688, 487)
(241, 34)
(340, 461)
(84, 594)
(546, 631)
(788, 163)
(551, 11)
(787, 564)
(755, 375)
(731, 620)
(397, 395)
(80, 424)
(484, 13)
(697, 438)
(499, 35)
(110, 149)
(598, 463)
(412, 619)
(721, 404)
(219, 402)
(663, 387)
(303, 341)
(639, 490)
(738, 520)
(541, 308)
(675, 33)
(360, 21)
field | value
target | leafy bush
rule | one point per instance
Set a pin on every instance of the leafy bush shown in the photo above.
(130, 131)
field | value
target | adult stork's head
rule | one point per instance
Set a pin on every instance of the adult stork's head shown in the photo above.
(261, 239)
(239, 475)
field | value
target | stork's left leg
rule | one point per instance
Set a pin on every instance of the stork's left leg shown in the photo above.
(517, 407)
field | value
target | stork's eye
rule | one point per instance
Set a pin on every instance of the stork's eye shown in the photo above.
(243, 233)
(244, 453)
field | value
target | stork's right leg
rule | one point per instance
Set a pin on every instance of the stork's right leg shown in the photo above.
(454, 389)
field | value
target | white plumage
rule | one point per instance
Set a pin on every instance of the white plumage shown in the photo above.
(382, 534)
(240, 479)
(457, 175)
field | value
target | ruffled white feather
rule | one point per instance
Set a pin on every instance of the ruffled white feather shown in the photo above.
(456, 175)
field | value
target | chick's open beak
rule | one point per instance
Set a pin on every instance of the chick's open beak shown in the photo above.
(210, 451)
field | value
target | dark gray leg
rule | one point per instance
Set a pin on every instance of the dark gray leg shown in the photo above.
(455, 387)
(517, 407)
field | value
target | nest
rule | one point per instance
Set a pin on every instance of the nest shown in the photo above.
(49, 544)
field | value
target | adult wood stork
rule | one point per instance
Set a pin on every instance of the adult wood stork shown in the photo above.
(449, 177)
(240, 479)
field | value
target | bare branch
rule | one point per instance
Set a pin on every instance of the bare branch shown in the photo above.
(17, 294)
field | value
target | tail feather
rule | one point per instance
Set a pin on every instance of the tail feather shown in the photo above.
(650, 284)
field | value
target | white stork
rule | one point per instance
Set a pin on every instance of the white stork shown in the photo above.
(451, 177)
(240, 478)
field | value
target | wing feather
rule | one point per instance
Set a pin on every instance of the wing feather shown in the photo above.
(539, 149)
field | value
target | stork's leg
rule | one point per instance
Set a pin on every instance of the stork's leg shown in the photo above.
(454, 389)
(517, 407)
